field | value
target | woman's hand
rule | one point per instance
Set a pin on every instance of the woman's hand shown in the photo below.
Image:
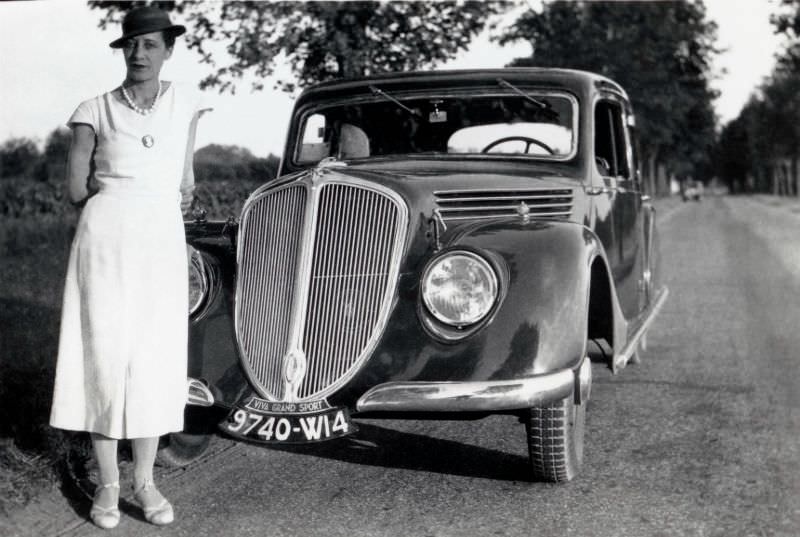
(187, 199)
(79, 163)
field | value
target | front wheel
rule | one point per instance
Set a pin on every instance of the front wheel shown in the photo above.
(555, 439)
(555, 432)
(180, 449)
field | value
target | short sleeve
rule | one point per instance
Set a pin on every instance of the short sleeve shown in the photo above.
(86, 114)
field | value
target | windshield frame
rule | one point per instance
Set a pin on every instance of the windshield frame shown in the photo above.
(302, 116)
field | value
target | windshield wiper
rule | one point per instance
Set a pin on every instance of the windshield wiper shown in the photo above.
(377, 91)
(544, 106)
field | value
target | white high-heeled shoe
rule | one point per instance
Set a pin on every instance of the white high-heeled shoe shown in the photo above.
(157, 510)
(105, 517)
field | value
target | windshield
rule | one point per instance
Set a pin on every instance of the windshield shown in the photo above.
(386, 125)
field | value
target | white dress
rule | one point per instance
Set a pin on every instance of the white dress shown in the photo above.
(122, 354)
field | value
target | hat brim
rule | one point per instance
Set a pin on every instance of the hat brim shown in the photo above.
(174, 29)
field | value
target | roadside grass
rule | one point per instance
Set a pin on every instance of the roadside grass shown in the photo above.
(33, 262)
(34, 250)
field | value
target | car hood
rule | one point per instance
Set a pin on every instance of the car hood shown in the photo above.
(418, 180)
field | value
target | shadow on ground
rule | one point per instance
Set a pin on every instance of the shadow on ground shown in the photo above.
(374, 445)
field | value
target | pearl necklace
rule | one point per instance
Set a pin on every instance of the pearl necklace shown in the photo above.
(136, 108)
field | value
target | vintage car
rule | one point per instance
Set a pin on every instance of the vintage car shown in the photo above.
(437, 245)
(692, 191)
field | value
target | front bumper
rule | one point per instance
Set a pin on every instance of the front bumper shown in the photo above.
(486, 396)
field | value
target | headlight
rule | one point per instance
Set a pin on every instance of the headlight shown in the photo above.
(459, 288)
(198, 279)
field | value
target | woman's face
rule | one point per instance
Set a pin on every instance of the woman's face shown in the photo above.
(144, 56)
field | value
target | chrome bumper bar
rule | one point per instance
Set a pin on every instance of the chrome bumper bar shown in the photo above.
(476, 396)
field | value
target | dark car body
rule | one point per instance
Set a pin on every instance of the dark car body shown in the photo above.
(441, 244)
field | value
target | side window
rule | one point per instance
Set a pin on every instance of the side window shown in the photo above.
(610, 142)
(633, 140)
(314, 145)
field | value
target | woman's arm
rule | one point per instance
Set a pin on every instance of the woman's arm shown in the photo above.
(187, 183)
(79, 163)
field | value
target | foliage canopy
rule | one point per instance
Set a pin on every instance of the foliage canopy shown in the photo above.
(320, 40)
(660, 52)
(760, 149)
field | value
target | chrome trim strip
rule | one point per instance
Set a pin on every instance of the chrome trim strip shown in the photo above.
(538, 203)
(302, 284)
(468, 396)
(485, 216)
(476, 194)
(516, 198)
(532, 206)
(621, 359)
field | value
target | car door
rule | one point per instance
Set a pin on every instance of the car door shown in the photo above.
(619, 184)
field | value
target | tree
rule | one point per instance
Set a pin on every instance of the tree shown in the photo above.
(217, 163)
(321, 40)
(734, 154)
(660, 52)
(760, 149)
(786, 21)
(52, 165)
(18, 157)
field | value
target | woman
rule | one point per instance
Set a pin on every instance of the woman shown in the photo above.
(121, 370)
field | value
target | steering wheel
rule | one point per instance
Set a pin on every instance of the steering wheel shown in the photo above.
(528, 142)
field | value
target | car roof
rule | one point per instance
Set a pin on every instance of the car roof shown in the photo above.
(580, 82)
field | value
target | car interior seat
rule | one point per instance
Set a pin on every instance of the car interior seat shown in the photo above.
(353, 142)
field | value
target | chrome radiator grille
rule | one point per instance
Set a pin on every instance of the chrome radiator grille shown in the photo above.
(272, 230)
(356, 236)
(477, 204)
(315, 291)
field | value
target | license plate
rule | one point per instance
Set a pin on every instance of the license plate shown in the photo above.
(271, 422)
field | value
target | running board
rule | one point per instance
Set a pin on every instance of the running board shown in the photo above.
(622, 359)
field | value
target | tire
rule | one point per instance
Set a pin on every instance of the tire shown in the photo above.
(181, 449)
(555, 440)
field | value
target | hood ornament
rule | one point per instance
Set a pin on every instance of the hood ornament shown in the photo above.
(294, 369)
(319, 170)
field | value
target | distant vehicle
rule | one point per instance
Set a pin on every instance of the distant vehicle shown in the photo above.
(693, 191)
(440, 245)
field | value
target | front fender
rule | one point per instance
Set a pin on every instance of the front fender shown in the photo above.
(541, 325)
(213, 357)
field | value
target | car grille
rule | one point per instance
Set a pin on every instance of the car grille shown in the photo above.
(268, 261)
(478, 204)
(316, 278)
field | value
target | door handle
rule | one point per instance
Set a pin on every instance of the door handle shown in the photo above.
(609, 185)
(597, 190)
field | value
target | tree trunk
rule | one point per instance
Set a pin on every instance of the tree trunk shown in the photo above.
(650, 175)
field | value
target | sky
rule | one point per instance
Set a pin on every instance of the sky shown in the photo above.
(53, 56)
